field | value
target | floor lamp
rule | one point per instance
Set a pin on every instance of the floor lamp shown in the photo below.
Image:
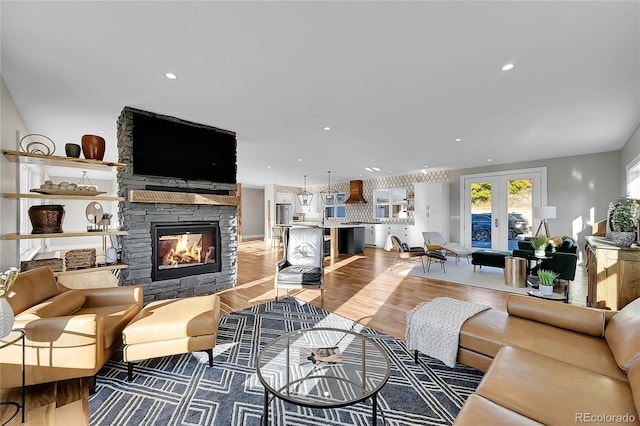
(544, 213)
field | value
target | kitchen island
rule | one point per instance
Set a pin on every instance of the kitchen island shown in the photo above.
(344, 238)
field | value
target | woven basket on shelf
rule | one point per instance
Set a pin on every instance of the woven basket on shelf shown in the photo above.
(82, 258)
(54, 263)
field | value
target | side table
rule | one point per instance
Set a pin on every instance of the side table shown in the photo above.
(7, 341)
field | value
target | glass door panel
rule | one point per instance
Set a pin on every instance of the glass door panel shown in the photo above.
(520, 208)
(481, 199)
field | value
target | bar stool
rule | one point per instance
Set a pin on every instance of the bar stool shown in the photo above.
(276, 233)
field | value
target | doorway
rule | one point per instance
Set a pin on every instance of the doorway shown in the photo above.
(497, 208)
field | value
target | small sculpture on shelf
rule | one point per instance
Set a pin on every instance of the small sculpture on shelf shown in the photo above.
(106, 221)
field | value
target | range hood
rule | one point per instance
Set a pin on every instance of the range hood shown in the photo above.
(355, 193)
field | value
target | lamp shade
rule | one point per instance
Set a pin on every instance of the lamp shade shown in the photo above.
(544, 212)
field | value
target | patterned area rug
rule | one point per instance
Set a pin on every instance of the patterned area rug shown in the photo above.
(183, 390)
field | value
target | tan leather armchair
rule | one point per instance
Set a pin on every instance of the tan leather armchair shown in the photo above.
(69, 333)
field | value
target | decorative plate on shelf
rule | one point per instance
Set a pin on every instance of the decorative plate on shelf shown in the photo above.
(67, 192)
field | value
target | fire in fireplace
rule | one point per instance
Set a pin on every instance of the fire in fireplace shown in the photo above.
(184, 248)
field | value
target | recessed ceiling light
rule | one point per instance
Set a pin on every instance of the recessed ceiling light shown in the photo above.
(171, 76)
(327, 128)
(458, 139)
(268, 167)
(489, 159)
(102, 131)
(299, 159)
(507, 67)
(369, 169)
(376, 169)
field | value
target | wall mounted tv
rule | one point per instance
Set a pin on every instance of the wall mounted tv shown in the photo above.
(169, 147)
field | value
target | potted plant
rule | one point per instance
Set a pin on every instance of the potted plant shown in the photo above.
(624, 221)
(539, 244)
(545, 281)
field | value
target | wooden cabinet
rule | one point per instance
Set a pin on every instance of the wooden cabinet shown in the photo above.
(613, 274)
(52, 160)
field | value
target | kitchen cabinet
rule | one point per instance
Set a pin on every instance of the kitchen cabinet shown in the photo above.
(382, 231)
(44, 160)
(431, 204)
(370, 235)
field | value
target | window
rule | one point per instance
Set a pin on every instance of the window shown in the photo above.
(390, 203)
(337, 210)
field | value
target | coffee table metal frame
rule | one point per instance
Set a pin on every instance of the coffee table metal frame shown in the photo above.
(362, 390)
(20, 338)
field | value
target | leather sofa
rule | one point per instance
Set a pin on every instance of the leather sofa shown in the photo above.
(552, 363)
(69, 333)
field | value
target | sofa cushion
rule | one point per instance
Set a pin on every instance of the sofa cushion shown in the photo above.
(483, 332)
(550, 391)
(574, 318)
(634, 382)
(63, 304)
(480, 411)
(115, 318)
(299, 274)
(32, 287)
(623, 335)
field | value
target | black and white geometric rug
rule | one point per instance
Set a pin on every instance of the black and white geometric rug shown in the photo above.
(183, 390)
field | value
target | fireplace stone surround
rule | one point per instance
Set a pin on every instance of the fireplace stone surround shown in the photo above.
(136, 217)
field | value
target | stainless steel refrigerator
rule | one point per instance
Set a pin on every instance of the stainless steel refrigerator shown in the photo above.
(283, 214)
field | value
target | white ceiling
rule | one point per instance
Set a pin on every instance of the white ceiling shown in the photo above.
(397, 82)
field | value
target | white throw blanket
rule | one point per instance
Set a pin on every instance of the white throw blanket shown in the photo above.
(433, 328)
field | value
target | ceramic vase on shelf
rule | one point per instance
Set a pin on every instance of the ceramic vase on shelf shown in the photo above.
(6, 317)
(93, 147)
(72, 150)
(539, 253)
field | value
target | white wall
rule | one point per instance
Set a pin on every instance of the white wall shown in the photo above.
(10, 122)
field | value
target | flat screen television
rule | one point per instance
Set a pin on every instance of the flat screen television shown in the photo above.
(174, 148)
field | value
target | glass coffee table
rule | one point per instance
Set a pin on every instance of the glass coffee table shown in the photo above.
(322, 368)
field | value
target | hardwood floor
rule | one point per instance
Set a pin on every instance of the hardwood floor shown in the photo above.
(359, 287)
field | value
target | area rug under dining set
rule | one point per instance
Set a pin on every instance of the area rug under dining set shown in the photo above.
(184, 390)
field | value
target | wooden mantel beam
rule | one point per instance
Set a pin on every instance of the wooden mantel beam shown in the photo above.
(168, 197)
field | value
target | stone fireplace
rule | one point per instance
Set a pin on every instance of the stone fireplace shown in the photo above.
(165, 214)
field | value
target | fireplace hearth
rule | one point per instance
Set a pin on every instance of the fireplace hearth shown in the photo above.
(181, 249)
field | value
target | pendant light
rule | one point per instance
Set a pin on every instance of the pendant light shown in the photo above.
(305, 197)
(328, 196)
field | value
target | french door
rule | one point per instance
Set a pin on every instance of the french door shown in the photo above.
(497, 208)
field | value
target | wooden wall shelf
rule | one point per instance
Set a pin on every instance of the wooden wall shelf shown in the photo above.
(62, 235)
(94, 269)
(168, 197)
(56, 160)
(62, 197)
